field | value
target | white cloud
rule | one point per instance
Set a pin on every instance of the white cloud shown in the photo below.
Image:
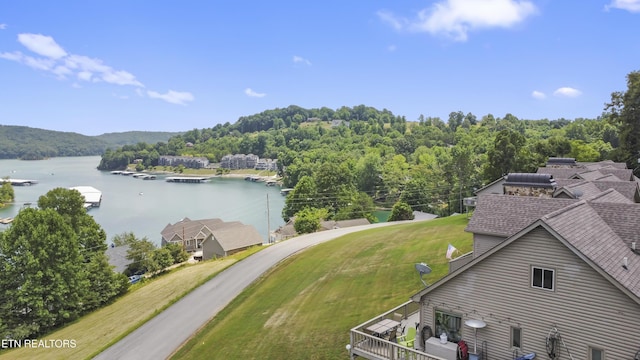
(55, 60)
(629, 5)
(42, 45)
(252, 93)
(455, 18)
(538, 94)
(84, 75)
(13, 56)
(3, 26)
(391, 19)
(567, 92)
(174, 97)
(301, 60)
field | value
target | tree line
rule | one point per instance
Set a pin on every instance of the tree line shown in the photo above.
(375, 158)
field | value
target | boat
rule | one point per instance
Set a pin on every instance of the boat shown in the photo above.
(149, 177)
(6, 220)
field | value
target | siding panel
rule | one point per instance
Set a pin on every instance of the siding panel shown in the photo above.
(584, 306)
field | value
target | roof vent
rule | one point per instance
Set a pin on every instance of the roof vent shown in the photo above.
(578, 193)
(625, 263)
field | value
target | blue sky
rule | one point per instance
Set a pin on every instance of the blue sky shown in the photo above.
(111, 66)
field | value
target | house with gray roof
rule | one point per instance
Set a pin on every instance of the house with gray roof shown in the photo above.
(563, 277)
(212, 237)
(553, 270)
(229, 239)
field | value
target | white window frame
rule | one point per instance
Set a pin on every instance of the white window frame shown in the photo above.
(595, 348)
(542, 286)
(511, 337)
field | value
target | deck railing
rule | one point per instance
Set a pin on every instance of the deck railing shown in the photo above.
(375, 348)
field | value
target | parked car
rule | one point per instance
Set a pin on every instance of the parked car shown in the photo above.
(134, 279)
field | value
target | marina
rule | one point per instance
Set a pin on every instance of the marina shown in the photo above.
(145, 207)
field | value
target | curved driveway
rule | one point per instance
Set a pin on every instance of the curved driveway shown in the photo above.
(161, 336)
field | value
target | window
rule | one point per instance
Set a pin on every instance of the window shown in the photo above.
(516, 338)
(596, 354)
(450, 324)
(542, 278)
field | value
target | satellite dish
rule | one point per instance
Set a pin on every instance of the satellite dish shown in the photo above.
(423, 269)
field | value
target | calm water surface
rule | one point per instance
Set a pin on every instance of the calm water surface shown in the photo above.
(145, 207)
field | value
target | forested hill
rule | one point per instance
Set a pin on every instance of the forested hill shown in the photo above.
(30, 143)
(134, 137)
(22, 142)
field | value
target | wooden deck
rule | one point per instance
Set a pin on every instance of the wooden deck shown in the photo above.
(365, 345)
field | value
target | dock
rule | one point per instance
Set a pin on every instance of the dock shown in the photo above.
(188, 179)
(92, 196)
(20, 182)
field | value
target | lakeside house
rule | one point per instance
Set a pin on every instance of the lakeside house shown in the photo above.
(555, 269)
(211, 238)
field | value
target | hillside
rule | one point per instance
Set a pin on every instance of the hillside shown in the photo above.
(134, 137)
(22, 142)
(305, 307)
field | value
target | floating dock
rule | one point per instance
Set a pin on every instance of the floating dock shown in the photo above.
(188, 179)
(20, 182)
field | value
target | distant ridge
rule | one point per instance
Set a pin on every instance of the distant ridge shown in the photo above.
(23, 142)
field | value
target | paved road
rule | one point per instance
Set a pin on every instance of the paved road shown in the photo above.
(164, 334)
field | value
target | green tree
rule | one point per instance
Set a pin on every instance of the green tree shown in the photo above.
(178, 254)
(358, 205)
(160, 259)
(7, 194)
(304, 195)
(401, 211)
(503, 157)
(104, 283)
(625, 113)
(43, 283)
(69, 203)
(308, 220)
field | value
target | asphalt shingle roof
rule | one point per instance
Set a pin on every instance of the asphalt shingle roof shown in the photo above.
(505, 215)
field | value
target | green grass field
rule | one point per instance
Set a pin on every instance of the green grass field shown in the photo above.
(96, 331)
(305, 307)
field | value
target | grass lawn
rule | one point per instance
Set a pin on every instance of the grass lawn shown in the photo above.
(305, 307)
(96, 331)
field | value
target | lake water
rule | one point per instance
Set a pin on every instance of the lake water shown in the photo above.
(145, 207)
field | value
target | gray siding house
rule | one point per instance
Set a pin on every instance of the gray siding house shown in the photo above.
(229, 239)
(553, 268)
(567, 274)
